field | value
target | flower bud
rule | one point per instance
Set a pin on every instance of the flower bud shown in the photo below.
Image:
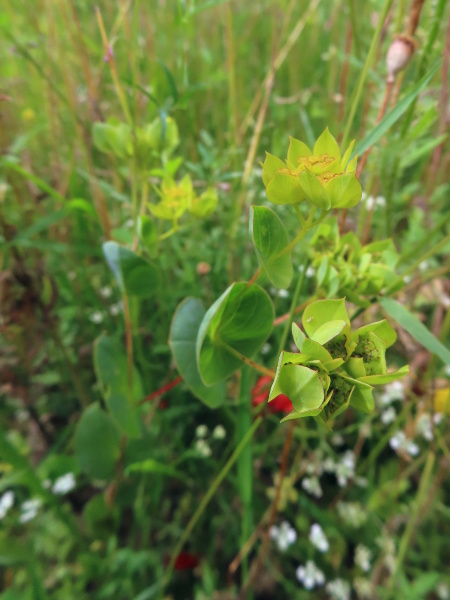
(203, 268)
(399, 54)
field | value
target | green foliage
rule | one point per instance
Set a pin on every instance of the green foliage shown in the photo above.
(238, 323)
(134, 424)
(336, 367)
(270, 240)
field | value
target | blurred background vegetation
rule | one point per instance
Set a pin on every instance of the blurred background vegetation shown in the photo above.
(237, 79)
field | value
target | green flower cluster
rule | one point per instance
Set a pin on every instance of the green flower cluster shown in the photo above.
(336, 367)
(323, 177)
(155, 140)
(346, 268)
(176, 199)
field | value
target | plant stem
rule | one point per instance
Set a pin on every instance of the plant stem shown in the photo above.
(250, 362)
(420, 499)
(129, 341)
(208, 496)
(295, 297)
(245, 463)
(364, 72)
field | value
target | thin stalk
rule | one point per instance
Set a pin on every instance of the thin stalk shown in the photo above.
(207, 498)
(245, 463)
(109, 58)
(362, 79)
(414, 518)
(250, 362)
(129, 341)
(295, 298)
(431, 252)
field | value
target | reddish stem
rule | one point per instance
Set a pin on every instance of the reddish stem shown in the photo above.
(163, 390)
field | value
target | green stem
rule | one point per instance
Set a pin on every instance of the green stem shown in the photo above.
(245, 463)
(427, 255)
(412, 522)
(248, 361)
(364, 72)
(295, 297)
(207, 498)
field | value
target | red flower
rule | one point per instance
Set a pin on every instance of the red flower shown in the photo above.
(186, 561)
(260, 394)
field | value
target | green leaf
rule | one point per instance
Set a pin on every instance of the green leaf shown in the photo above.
(111, 368)
(204, 206)
(396, 113)
(97, 443)
(326, 144)
(385, 377)
(270, 238)
(135, 276)
(238, 322)
(314, 190)
(298, 335)
(271, 165)
(344, 191)
(182, 339)
(414, 327)
(322, 312)
(284, 188)
(301, 384)
(297, 149)
(152, 466)
(328, 331)
(147, 232)
(381, 329)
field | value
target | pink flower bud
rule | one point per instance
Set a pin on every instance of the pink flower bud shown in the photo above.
(399, 54)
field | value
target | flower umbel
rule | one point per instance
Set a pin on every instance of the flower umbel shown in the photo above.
(324, 177)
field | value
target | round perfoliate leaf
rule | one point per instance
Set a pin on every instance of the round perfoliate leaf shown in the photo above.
(97, 443)
(270, 239)
(135, 276)
(238, 323)
(182, 340)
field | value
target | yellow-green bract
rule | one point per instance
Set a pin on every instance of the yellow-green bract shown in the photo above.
(322, 176)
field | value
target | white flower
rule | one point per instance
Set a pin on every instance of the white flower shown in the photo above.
(442, 591)
(64, 484)
(437, 418)
(351, 513)
(363, 557)
(106, 292)
(399, 441)
(29, 509)
(283, 536)
(337, 439)
(318, 538)
(283, 293)
(115, 309)
(96, 317)
(363, 588)
(387, 547)
(392, 391)
(388, 416)
(345, 469)
(201, 431)
(424, 266)
(424, 427)
(310, 575)
(312, 486)
(338, 589)
(329, 465)
(203, 448)
(6, 502)
(310, 271)
(266, 349)
(219, 432)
